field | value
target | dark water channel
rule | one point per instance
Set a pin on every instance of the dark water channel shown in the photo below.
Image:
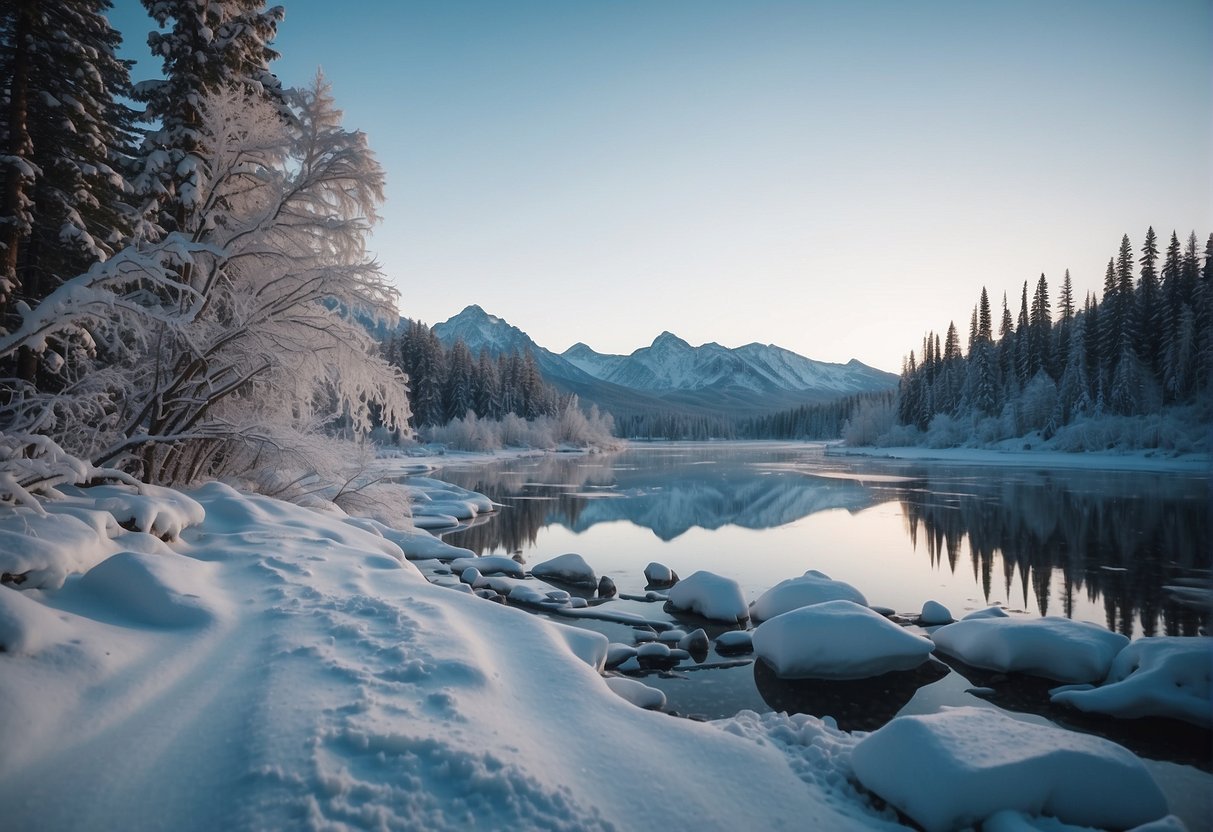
(1122, 550)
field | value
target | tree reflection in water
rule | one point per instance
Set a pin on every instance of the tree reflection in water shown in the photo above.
(1118, 538)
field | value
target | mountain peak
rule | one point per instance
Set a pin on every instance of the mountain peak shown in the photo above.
(669, 339)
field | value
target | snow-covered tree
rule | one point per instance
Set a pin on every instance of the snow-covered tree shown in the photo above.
(65, 135)
(206, 46)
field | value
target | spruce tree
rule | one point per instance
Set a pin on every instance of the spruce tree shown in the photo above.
(1148, 303)
(67, 136)
(208, 45)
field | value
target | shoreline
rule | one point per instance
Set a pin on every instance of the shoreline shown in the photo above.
(1133, 462)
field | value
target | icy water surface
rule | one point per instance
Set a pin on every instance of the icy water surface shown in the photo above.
(1113, 548)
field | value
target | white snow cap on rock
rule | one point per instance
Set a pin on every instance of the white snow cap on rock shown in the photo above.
(955, 768)
(1056, 648)
(569, 569)
(837, 640)
(659, 574)
(710, 595)
(934, 613)
(490, 565)
(1166, 676)
(812, 587)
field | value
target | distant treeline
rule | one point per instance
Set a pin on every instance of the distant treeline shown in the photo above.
(1146, 344)
(822, 420)
(446, 384)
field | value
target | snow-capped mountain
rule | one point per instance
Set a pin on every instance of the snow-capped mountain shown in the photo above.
(673, 364)
(672, 374)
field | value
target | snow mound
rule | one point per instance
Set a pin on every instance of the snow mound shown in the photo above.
(988, 612)
(636, 692)
(837, 640)
(569, 569)
(710, 595)
(735, 641)
(981, 762)
(1166, 676)
(41, 550)
(152, 509)
(27, 626)
(812, 587)
(1055, 648)
(587, 645)
(490, 565)
(160, 590)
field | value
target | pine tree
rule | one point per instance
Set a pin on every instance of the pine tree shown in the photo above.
(209, 45)
(1148, 302)
(458, 392)
(1023, 357)
(67, 135)
(1040, 337)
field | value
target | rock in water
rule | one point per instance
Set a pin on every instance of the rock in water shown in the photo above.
(710, 595)
(658, 574)
(569, 569)
(934, 613)
(606, 587)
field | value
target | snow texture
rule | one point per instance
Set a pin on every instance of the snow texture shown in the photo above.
(1166, 676)
(812, 587)
(934, 613)
(975, 762)
(297, 666)
(837, 640)
(490, 565)
(1052, 647)
(710, 595)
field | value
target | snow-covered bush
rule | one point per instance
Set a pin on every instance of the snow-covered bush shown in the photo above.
(948, 431)
(873, 419)
(571, 427)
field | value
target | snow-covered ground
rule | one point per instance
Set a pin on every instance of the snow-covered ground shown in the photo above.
(219, 660)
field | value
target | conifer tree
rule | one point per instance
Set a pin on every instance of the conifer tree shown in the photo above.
(1148, 302)
(67, 135)
(209, 45)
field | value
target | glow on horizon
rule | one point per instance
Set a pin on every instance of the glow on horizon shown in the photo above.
(835, 178)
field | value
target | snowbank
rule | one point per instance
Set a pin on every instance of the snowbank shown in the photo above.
(1056, 648)
(324, 683)
(837, 640)
(974, 762)
(1165, 676)
(812, 587)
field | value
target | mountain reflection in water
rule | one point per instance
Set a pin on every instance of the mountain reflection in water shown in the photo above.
(1058, 539)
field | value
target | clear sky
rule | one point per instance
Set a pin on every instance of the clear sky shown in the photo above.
(832, 177)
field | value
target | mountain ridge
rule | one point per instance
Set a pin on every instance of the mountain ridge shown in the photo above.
(672, 375)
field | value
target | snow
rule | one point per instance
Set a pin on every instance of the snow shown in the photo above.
(1092, 460)
(570, 568)
(489, 565)
(812, 587)
(710, 595)
(837, 640)
(974, 762)
(934, 613)
(1165, 676)
(1056, 648)
(658, 574)
(290, 669)
(636, 692)
(735, 641)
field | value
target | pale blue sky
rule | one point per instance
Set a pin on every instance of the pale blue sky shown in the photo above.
(836, 178)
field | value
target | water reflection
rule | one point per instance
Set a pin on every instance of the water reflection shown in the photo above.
(1061, 540)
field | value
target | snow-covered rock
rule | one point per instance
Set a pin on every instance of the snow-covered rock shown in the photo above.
(472, 577)
(1056, 648)
(570, 569)
(672, 636)
(837, 640)
(490, 565)
(658, 574)
(988, 612)
(710, 595)
(812, 587)
(934, 613)
(955, 768)
(636, 692)
(617, 654)
(734, 642)
(1164, 676)
(695, 641)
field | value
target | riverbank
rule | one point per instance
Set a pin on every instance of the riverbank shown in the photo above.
(1036, 458)
(166, 647)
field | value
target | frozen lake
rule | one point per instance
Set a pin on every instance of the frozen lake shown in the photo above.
(1114, 548)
